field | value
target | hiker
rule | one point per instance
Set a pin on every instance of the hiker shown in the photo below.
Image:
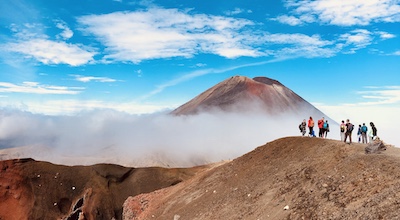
(370, 136)
(364, 131)
(359, 133)
(374, 130)
(302, 127)
(326, 129)
(311, 127)
(320, 127)
(349, 130)
(342, 130)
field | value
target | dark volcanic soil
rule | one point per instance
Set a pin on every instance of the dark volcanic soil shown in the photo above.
(290, 178)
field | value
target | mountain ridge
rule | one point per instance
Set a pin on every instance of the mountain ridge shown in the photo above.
(288, 178)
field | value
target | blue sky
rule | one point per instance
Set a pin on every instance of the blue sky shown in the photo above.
(61, 57)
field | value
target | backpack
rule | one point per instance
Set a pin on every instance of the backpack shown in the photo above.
(300, 127)
(342, 128)
(325, 125)
(350, 127)
(364, 129)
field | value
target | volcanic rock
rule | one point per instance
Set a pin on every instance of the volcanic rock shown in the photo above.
(375, 147)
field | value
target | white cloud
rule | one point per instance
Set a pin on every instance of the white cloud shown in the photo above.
(347, 13)
(237, 11)
(381, 95)
(201, 64)
(31, 41)
(290, 20)
(93, 78)
(165, 33)
(37, 88)
(300, 45)
(297, 39)
(51, 52)
(66, 31)
(139, 73)
(385, 35)
(356, 39)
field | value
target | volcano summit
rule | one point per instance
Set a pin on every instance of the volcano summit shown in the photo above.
(238, 93)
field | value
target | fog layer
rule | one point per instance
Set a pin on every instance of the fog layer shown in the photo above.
(163, 139)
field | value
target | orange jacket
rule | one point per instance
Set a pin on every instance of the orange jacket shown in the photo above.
(310, 123)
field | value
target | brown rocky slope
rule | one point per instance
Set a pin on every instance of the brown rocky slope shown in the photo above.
(290, 178)
(40, 190)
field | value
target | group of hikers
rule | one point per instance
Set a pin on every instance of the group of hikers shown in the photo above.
(323, 126)
(346, 130)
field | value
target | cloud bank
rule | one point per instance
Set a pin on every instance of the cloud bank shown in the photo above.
(132, 140)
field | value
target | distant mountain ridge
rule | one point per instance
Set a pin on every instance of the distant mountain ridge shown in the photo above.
(237, 92)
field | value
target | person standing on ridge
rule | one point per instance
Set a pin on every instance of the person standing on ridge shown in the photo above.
(311, 127)
(359, 133)
(320, 127)
(326, 129)
(370, 135)
(349, 130)
(374, 130)
(364, 131)
(342, 130)
(303, 127)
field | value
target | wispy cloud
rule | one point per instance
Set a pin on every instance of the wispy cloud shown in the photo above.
(159, 33)
(385, 35)
(300, 45)
(290, 20)
(31, 41)
(343, 13)
(360, 38)
(164, 33)
(381, 95)
(139, 73)
(86, 79)
(356, 39)
(37, 88)
(52, 52)
(198, 73)
(66, 31)
(237, 11)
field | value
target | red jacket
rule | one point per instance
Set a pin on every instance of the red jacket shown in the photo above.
(320, 123)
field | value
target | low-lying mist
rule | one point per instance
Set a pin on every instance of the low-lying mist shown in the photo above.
(161, 139)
